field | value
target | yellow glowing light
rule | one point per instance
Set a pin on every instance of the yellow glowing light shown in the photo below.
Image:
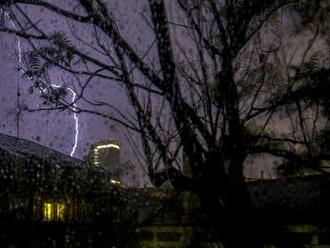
(60, 211)
(107, 146)
(47, 212)
(53, 211)
(114, 181)
(99, 147)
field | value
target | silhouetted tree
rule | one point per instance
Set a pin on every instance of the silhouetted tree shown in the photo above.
(215, 81)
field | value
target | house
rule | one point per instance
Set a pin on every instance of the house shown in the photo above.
(51, 199)
(294, 211)
(288, 212)
(47, 196)
(54, 183)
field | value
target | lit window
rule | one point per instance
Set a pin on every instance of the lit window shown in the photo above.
(53, 211)
(60, 211)
(16, 205)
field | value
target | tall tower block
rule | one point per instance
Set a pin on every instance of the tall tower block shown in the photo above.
(106, 154)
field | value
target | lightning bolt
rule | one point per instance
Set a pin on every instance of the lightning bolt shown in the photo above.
(75, 117)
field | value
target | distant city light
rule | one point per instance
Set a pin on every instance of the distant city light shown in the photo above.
(99, 147)
(107, 146)
(114, 181)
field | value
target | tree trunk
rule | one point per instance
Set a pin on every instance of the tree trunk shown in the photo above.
(227, 205)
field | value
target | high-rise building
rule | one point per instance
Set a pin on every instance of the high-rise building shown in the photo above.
(106, 154)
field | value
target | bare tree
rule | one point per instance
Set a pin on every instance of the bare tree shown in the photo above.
(211, 84)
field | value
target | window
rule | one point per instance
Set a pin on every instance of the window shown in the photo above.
(53, 211)
(14, 205)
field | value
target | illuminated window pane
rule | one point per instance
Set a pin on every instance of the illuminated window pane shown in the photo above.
(47, 211)
(60, 212)
(53, 212)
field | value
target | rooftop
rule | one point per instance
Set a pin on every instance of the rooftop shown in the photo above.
(23, 147)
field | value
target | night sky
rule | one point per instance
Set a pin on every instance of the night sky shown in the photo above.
(57, 129)
(54, 129)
